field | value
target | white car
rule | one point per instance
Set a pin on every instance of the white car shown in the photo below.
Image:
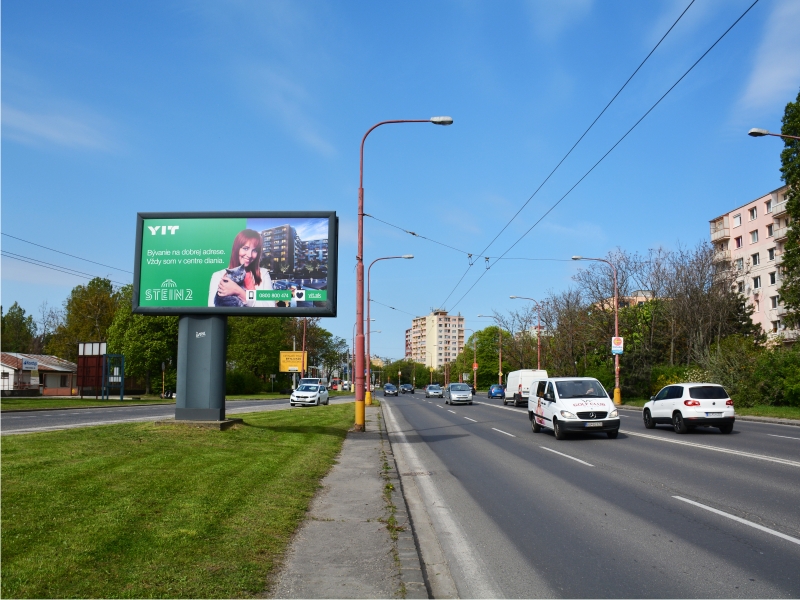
(572, 404)
(689, 405)
(309, 395)
(458, 393)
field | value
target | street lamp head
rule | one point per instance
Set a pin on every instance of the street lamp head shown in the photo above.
(757, 132)
(407, 256)
(577, 258)
(442, 120)
(513, 297)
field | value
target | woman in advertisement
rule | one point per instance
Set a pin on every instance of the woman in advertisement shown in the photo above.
(230, 287)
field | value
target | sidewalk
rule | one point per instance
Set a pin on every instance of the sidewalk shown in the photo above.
(344, 549)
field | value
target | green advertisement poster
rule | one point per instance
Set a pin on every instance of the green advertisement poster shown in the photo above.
(232, 264)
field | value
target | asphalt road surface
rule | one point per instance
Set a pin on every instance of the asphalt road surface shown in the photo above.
(51, 420)
(651, 514)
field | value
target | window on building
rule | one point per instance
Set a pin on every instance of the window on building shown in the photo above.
(757, 282)
(738, 242)
(737, 220)
(754, 236)
(756, 306)
(753, 213)
(775, 325)
(740, 287)
(773, 302)
(756, 258)
(771, 253)
(772, 278)
(768, 206)
(739, 264)
(770, 230)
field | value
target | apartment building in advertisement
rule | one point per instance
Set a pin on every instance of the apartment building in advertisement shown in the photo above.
(751, 239)
(435, 339)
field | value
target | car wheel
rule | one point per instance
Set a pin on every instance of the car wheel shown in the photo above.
(470, 402)
(558, 430)
(678, 423)
(727, 428)
(504, 401)
(291, 404)
(535, 427)
(648, 420)
(613, 434)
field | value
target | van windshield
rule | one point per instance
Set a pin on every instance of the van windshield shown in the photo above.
(580, 388)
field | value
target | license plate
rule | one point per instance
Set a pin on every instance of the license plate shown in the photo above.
(714, 414)
(595, 424)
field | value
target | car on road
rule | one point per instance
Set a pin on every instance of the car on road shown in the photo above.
(346, 386)
(518, 385)
(309, 395)
(458, 393)
(310, 381)
(685, 406)
(389, 390)
(406, 388)
(572, 404)
(434, 391)
(496, 391)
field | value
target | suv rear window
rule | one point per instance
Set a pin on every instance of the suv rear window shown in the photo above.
(708, 392)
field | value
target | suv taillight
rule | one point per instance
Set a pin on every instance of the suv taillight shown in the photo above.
(728, 402)
(691, 402)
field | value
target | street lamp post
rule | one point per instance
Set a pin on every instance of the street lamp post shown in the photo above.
(762, 132)
(617, 392)
(538, 328)
(368, 394)
(359, 424)
(500, 344)
(474, 358)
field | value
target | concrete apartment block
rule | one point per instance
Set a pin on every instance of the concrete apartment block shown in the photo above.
(435, 339)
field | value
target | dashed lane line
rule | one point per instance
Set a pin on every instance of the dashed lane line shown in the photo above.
(566, 456)
(516, 410)
(782, 461)
(468, 419)
(783, 436)
(452, 411)
(789, 538)
(501, 431)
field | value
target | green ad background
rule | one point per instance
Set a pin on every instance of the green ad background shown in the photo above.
(191, 235)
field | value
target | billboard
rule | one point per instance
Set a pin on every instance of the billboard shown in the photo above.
(236, 263)
(293, 362)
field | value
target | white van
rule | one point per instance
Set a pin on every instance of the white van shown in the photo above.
(518, 385)
(570, 404)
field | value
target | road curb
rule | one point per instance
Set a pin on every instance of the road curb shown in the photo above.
(773, 420)
(411, 575)
(12, 410)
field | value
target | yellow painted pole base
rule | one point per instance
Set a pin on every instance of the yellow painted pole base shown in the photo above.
(617, 396)
(368, 398)
(360, 413)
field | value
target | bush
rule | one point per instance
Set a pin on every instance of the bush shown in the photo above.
(242, 382)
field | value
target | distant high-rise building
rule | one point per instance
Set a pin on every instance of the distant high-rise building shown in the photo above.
(284, 253)
(435, 339)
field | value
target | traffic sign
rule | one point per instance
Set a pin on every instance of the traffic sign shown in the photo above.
(617, 345)
(474, 366)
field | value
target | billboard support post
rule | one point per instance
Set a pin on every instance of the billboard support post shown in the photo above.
(200, 395)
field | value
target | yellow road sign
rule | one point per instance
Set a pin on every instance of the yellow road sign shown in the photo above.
(293, 362)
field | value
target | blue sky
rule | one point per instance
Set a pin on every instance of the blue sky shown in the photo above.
(110, 108)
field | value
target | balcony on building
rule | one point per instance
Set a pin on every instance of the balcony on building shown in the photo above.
(779, 209)
(720, 230)
(722, 256)
(780, 233)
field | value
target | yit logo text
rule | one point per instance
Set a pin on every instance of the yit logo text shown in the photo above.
(154, 229)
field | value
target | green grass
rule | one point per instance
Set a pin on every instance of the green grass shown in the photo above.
(144, 511)
(46, 402)
(779, 412)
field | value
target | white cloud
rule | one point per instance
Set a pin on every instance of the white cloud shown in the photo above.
(550, 19)
(71, 131)
(775, 77)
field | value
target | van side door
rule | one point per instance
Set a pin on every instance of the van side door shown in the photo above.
(549, 404)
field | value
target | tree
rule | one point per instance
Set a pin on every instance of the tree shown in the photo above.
(17, 329)
(88, 313)
(790, 173)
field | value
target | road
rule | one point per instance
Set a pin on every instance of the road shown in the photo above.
(52, 420)
(650, 514)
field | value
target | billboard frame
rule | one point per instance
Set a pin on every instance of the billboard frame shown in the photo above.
(332, 279)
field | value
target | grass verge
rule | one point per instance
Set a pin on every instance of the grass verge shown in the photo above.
(47, 402)
(778, 412)
(141, 511)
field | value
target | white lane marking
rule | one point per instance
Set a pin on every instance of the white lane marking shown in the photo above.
(516, 410)
(626, 416)
(783, 436)
(789, 538)
(468, 419)
(501, 431)
(566, 456)
(478, 578)
(452, 411)
(782, 461)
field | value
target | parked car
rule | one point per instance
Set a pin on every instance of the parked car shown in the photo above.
(346, 386)
(518, 385)
(389, 390)
(496, 391)
(309, 394)
(406, 388)
(571, 404)
(689, 405)
(458, 393)
(434, 391)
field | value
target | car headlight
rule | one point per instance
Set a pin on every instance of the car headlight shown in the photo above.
(613, 414)
(567, 415)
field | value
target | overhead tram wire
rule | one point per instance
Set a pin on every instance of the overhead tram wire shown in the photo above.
(597, 118)
(65, 253)
(417, 235)
(602, 158)
(393, 308)
(59, 268)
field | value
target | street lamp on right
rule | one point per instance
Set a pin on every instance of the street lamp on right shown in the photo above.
(617, 392)
(755, 132)
(538, 328)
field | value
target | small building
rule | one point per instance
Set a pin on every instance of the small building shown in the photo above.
(57, 377)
